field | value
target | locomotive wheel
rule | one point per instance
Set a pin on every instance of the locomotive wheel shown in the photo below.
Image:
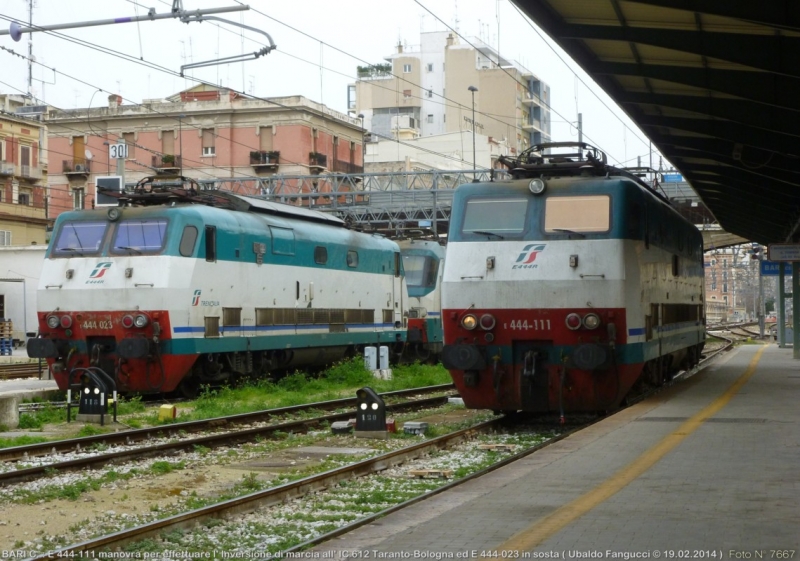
(189, 387)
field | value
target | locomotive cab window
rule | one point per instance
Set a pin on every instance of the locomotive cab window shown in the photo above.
(577, 214)
(136, 237)
(497, 216)
(79, 238)
(420, 270)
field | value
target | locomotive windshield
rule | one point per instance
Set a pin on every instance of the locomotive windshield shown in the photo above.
(79, 238)
(420, 270)
(501, 216)
(140, 236)
(585, 213)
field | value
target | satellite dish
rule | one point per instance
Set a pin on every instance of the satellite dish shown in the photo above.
(88, 155)
(14, 31)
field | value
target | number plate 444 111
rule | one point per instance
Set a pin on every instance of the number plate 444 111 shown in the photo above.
(525, 325)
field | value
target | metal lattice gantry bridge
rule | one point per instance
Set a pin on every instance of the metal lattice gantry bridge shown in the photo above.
(383, 200)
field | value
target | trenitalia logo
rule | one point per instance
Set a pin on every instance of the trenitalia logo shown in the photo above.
(196, 298)
(100, 270)
(529, 253)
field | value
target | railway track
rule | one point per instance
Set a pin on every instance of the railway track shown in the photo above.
(177, 432)
(20, 370)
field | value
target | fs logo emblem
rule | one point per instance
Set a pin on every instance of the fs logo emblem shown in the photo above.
(100, 270)
(529, 253)
(196, 298)
(528, 256)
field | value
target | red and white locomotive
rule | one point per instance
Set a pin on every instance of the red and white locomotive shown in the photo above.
(566, 285)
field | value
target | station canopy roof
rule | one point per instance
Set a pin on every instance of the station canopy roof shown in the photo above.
(714, 84)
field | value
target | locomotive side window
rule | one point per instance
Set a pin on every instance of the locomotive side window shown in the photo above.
(140, 236)
(211, 243)
(188, 240)
(352, 258)
(586, 213)
(320, 255)
(503, 216)
(79, 238)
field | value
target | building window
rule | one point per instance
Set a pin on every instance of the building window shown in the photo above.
(130, 141)
(25, 199)
(25, 156)
(78, 199)
(406, 94)
(208, 142)
(430, 119)
(430, 67)
(429, 93)
(406, 68)
(725, 288)
(5, 237)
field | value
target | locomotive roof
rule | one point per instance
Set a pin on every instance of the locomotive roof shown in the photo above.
(150, 192)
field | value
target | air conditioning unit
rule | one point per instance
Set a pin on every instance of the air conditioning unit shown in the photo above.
(80, 167)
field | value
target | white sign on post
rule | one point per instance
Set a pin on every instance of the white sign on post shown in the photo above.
(783, 252)
(116, 151)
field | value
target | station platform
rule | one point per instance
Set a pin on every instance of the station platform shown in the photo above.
(707, 469)
(26, 388)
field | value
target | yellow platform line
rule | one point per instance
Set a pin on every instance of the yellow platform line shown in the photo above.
(544, 528)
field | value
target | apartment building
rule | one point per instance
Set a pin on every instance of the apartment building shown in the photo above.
(425, 91)
(23, 175)
(205, 133)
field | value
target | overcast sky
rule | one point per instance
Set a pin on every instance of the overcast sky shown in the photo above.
(319, 45)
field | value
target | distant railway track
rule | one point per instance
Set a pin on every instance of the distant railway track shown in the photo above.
(20, 370)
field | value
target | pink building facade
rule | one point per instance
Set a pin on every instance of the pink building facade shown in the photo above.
(204, 133)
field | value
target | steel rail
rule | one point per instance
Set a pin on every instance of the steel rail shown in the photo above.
(17, 453)
(184, 444)
(275, 495)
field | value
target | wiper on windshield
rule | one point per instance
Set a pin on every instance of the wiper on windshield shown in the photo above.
(71, 249)
(485, 233)
(564, 230)
(128, 249)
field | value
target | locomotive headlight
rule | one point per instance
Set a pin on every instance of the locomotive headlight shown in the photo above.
(487, 322)
(591, 321)
(363, 406)
(469, 321)
(53, 322)
(140, 320)
(537, 186)
(66, 322)
(374, 406)
(127, 322)
(573, 321)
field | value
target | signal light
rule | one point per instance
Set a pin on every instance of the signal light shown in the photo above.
(66, 322)
(573, 321)
(487, 322)
(591, 321)
(127, 322)
(469, 321)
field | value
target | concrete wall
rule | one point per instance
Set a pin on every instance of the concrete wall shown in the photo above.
(20, 269)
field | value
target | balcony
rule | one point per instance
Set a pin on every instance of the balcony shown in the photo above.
(167, 163)
(7, 169)
(75, 168)
(31, 172)
(317, 162)
(265, 160)
(346, 167)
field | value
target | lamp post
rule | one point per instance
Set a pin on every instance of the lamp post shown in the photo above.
(363, 146)
(473, 89)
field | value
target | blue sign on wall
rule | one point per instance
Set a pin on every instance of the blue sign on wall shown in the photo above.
(672, 178)
(772, 268)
